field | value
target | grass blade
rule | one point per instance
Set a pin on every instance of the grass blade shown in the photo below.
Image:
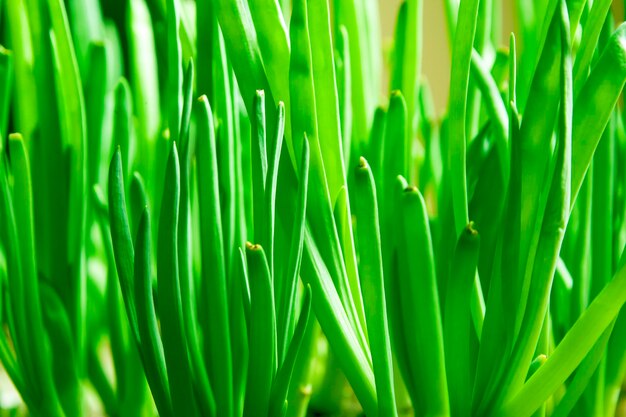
(287, 297)
(259, 166)
(273, 44)
(6, 80)
(572, 350)
(144, 75)
(371, 275)
(594, 104)
(72, 120)
(95, 102)
(326, 94)
(174, 70)
(420, 301)
(20, 37)
(344, 91)
(589, 41)
(461, 58)
(262, 330)
(62, 350)
(151, 345)
(457, 321)
(122, 241)
(170, 303)
(214, 317)
(34, 360)
(495, 108)
(240, 317)
(535, 136)
(243, 49)
(304, 126)
(553, 225)
(280, 386)
(334, 320)
(271, 185)
(583, 376)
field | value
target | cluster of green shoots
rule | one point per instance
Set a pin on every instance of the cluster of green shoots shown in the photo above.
(213, 208)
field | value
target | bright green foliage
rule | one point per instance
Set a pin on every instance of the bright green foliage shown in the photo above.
(275, 230)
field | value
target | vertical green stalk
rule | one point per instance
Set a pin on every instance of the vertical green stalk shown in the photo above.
(261, 332)
(457, 321)
(144, 80)
(170, 304)
(122, 125)
(372, 286)
(214, 318)
(204, 393)
(225, 145)
(273, 42)
(536, 134)
(6, 80)
(457, 107)
(258, 146)
(151, 344)
(72, 119)
(243, 49)
(411, 63)
(420, 303)
(174, 69)
(286, 299)
(305, 124)
(326, 94)
(554, 222)
(240, 308)
(20, 38)
(206, 41)
(344, 91)
(121, 238)
(95, 102)
(346, 14)
(595, 103)
(16, 207)
(271, 185)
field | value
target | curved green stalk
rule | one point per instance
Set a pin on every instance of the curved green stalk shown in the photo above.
(571, 351)
(495, 107)
(337, 327)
